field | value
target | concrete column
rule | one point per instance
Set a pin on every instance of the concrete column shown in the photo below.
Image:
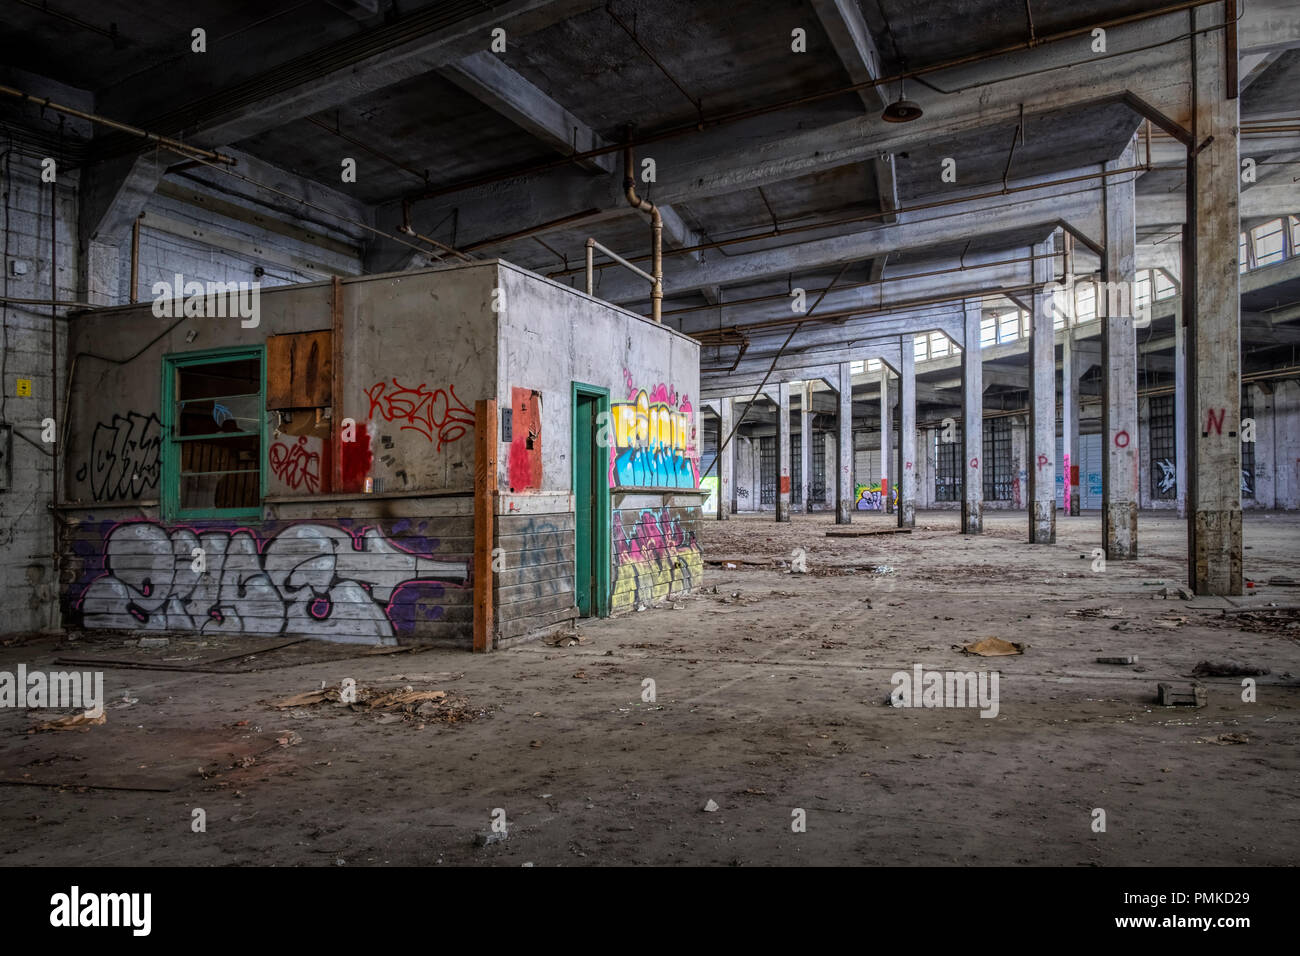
(726, 462)
(1040, 463)
(783, 451)
(844, 450)
(1210, 285)
(907, 434)
(1070, 420)
(805, 446)
(886, 434)
(1119, 425)
(1180, 415)
(972, 411)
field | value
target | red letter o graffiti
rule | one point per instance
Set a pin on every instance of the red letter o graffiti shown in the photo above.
(974, 462)
(1121, 444)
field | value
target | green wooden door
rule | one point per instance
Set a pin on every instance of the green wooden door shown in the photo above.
(584, 420)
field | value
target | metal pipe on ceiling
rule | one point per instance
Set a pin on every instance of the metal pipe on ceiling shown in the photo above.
(866, 217)
(166, 142)
(656, 237)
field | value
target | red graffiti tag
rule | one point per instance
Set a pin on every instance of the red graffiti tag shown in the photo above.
(296, 467)
(438, 412)
(908, 466)
(1042, 461)
(1215, 422)
(974, 462)
(1121, 444)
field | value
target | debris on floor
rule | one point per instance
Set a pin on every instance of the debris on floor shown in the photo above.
(1181, 695)
(1181, 593)
(994, 647)
(1095, 612)
(710, 807)
(564, 639)
(1127, 659)
(70, 722)
(1227, 668)
(403, 703)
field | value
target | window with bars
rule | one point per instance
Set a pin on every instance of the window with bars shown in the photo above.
(1247, 448)
(796, 469)
(818, 489)
(1164, 447)
(1268, 242)
(767, 470)
(947, 469)
(997, 459)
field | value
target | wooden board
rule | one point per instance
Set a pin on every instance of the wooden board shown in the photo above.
(299, 370)
(485, 491)
(865, 532)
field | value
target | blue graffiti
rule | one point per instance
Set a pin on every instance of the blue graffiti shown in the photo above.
(654, 468)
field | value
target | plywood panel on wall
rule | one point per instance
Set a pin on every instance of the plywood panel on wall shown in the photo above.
(298, 370)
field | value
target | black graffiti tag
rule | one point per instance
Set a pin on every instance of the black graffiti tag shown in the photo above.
(123, 457)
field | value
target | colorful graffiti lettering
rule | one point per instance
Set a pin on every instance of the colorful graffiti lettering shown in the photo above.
(871, 498)
(654, 556)
(654, 439)
(431, 413)
(123, 457)
(311, 579)
(296, 465)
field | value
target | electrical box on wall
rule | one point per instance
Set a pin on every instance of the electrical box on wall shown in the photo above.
(6, 457)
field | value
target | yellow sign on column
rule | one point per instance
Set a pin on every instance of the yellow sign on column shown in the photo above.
(24, 388)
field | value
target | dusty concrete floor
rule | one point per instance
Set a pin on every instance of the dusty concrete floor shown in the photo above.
(766, 702)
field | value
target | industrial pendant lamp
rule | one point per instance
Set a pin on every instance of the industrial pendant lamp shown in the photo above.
(901, 110)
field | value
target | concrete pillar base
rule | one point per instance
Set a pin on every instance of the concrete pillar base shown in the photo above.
(782, 511)
(843, 513)
(1216, 567)
(1042, 522)
(1121, 530)
(907, 515)
(972, 517)
(1074, 503)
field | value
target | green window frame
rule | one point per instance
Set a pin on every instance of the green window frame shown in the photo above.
(171, 458)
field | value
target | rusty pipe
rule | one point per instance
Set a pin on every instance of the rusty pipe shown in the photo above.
(656, 233)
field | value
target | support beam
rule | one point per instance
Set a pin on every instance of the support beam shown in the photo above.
(805, 447)
(726, 462)
(972, 410)
(886, 436)
(783, 451)
(907, 433)
(1180, 415)
(1070, 421)
(1213, 339)
(1042, 406)
(1119, 429)
(844, 449)
(112, 196)
(487, 78)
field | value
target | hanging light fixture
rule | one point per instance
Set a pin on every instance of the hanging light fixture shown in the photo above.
(901, 110)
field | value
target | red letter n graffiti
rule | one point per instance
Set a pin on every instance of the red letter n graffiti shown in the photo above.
(1211, 421)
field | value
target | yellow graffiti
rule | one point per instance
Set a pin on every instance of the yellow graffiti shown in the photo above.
(642, 425)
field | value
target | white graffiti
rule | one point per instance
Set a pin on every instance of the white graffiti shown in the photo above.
(1166, 480)
(310, 579)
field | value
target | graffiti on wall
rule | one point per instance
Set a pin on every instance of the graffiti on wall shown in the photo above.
(871, 497)
(124, 458)
(312, 579)
(296, 466)
(654, 439)
(1168, 477)
(436, 414)
(654, 556)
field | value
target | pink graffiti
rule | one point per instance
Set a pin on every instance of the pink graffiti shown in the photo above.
(296, 467)
(1067, 482)
(438, 412)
